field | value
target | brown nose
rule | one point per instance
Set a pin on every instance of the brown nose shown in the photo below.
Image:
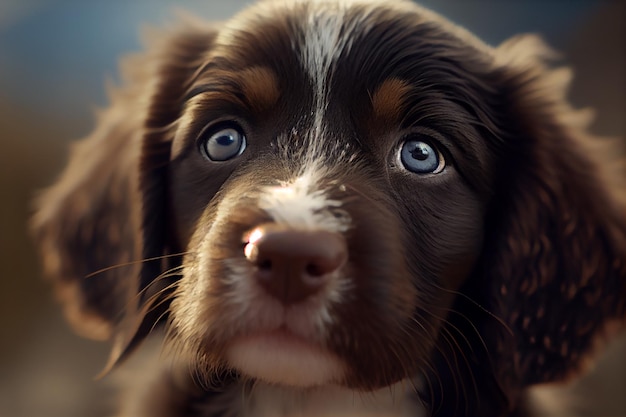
(293, 264)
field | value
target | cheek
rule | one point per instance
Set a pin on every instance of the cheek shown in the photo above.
(193, 183)
(445, 229)
(200, 297)
(190, 308)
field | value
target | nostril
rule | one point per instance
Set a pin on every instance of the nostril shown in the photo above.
(314, 270)
(264, 264)
(291, 264)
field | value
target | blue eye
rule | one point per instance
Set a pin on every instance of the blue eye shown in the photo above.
(224, 144)
(421, 157)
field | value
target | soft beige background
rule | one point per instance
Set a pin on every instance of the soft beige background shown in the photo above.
(45, 371)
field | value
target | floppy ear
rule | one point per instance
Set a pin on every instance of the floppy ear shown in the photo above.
(107, 213)
(551, 277)
(554, 264)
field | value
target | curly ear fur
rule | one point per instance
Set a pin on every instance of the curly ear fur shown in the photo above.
(96, 225)
(553, 267)
(559, 270)
(551, 279)
(88, 221)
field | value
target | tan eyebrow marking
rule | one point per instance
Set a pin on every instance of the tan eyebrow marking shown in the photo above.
(259, 85)
(388, 100)
(254, 89)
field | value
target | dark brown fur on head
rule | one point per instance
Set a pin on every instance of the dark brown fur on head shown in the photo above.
(497, 273)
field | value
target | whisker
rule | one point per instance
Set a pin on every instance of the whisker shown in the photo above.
(406, 331)
(164, 275)
(153, 298)
(133, 301)
(153, 304)
(427, 364)
(449, 323)
(448, 336)
(466, 297)
(160, 315)
(417, 391)
(443, 355)
(176, 271)
(121, 265)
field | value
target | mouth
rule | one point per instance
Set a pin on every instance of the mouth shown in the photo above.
(281, 357)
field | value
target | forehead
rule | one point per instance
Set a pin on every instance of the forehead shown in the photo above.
(316, 81)
(348, 45)
(358, 72)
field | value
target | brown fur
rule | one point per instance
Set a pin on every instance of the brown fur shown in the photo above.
(499, 274)
(388, 99)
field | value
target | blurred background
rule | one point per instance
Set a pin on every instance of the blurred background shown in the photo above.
(54, 58)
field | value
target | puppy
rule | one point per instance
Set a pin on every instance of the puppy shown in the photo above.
(339, 208)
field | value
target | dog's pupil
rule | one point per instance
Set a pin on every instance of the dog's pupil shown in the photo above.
(420, 153)
(225, 140)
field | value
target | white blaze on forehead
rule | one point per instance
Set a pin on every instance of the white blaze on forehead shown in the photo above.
(323, 43)
(301, 204)
(328, 34)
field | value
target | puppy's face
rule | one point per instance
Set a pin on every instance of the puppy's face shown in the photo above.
(329, 183)
(363, 194)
